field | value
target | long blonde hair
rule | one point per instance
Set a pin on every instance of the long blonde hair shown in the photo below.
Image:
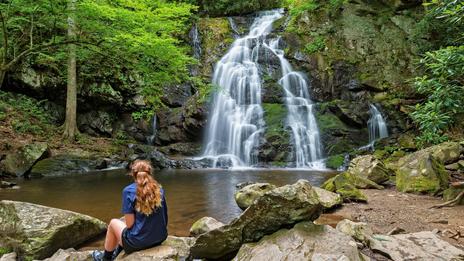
(148, 195)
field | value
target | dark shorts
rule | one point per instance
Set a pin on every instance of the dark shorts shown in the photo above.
(129, 247)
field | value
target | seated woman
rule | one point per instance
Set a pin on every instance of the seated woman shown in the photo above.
(145, 213)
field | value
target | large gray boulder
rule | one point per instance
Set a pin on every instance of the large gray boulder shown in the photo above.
(277, 208)
(70, 255)
(305, 241)
(38, 231)
(248, 194)
(173, 249)
(204, 225)
(20, 162)
(370, 168)
(357, 230)
(423, 245)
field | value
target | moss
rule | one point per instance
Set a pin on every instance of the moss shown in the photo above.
(317, 45)
(328, 122)
(329, 184)
(336, 161)
(4, 250)
(349, 192)
(274, 116)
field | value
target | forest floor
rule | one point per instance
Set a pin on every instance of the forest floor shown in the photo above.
(389, 209)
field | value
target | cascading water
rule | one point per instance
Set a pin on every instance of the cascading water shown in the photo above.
(376, 125)
(196, 41)
(152, 137)
(236, 122)
(300, 118)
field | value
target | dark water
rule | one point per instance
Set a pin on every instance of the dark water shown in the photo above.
(190, 194)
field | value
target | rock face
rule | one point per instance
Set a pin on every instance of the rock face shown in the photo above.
(173, 249)
(280, 207)
(38, 231)
(305, 241)
(370, 168)
(21, 162)
(203, 225)
(423, 245)
(248, 194)
(70, 255)
(423, 171)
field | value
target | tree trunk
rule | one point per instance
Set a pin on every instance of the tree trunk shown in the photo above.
(2, 77)
(70, 124)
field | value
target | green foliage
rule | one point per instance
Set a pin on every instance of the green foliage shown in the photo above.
(236, 7)
(318, 44)
(143, 114)
(443, 86)
(4, 251)
(297, 7)
(334, 162)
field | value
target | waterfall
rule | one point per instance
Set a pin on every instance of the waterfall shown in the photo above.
(376, 125)
(152, 137)
(196, 41)
(236, 121)
(307, 147)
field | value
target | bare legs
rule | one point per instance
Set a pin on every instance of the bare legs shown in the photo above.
(114, 234)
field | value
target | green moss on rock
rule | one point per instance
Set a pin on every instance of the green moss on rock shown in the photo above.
(336, 161)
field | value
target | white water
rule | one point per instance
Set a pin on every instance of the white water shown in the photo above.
(376, 125)
(236, 123)
(152, 137)
(307, 147)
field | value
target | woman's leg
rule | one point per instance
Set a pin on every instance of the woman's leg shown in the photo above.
(114, 234)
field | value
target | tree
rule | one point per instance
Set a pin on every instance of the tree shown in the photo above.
(70, 123)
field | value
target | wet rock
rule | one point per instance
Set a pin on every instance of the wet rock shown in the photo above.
(280, 207)
(423, 245)
(305, 241)
(96, 123)
(64, 165)
(70, 254)
(204, 225)
(7, 184)
(328, 199)
(357, 230)
(182, 148)
(245, 196)
(38, 231)
(173, 249)
(20, 162)
(370, 168)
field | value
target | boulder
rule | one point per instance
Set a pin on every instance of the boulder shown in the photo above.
(38, 231)
(248, 194)
(173, 249)
(423, 245)
(70, 254)
(204, 225)
(370, 168)
(421, 172)
(277, 208)
(9, 257)
(305, 241)
(20, 163)
(347, 185)
(328, 199)
(61, 165)
(357, 230)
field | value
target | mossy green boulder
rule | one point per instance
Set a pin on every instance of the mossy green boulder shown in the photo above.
(370, 168)
(423, 171)
(204, 225)
(36, 231)
(20, 162)
(347, 185)
(245, 196)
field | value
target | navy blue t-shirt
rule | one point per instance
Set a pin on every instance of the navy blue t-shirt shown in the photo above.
(147, 230)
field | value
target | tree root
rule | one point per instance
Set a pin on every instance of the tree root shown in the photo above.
(452, 202)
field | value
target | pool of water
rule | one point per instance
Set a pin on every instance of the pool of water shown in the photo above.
(190, 194)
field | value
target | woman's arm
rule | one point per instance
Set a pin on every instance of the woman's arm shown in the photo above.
(129, 219)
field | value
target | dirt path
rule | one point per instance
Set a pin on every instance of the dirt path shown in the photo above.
(388, 209)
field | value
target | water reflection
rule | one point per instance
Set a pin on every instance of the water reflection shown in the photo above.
(191, 194)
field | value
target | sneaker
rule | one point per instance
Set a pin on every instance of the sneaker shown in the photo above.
(116, 252)
(98, 255)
